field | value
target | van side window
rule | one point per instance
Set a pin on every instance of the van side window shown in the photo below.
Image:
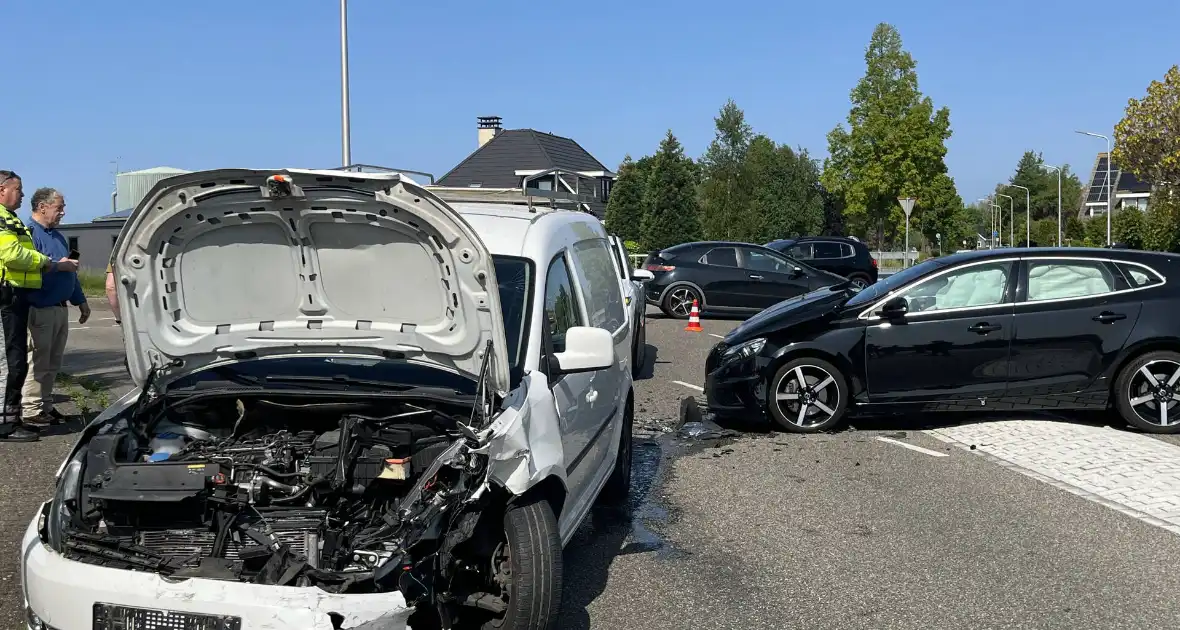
(600, 287)
(561, 303)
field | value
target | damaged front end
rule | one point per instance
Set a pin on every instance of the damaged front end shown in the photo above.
(348, 492)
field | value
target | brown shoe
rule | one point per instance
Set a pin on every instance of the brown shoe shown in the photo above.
(36, 422)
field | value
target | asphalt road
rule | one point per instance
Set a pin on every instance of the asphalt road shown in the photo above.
(769, 530)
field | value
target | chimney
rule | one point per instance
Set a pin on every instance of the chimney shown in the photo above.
(489, 127)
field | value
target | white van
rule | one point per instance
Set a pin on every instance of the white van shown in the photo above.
(355, 403)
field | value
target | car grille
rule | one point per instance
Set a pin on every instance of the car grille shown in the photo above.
(114, 617)
(186, 543)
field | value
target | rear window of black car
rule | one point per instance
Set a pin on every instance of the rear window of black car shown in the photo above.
(1139, 276)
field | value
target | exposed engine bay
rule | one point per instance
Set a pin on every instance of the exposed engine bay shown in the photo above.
(348, 495)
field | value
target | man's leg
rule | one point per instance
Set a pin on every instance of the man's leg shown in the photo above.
(37, 393)
(15, 318)
(61, 334)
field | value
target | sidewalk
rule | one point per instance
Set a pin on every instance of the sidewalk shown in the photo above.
(95, 353)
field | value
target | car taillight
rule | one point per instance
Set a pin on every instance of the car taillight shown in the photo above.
(874, 261)
(660, 267)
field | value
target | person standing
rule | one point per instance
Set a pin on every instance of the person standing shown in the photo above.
(49, 316)
(21, 269)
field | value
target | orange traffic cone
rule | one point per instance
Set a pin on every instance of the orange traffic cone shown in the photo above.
(694, 319)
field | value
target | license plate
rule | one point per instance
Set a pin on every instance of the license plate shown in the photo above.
(114, 617)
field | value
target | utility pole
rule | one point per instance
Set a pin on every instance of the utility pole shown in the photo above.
(1109, 183)
(1027, 215)
(1011, 219)
(346, 131)
(1058, 169)
(907, 204)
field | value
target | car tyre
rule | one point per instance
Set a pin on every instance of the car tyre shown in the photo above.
(818, 403)
(533, 559)
(677, 302)
(1138, 396)
(860, 281)
(618, 487)
(639, 354)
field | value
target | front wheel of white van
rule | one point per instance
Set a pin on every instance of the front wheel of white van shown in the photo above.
(527, 566)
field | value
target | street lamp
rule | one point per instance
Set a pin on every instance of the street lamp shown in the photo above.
(346, 131)
(1058, 169)
(1109, 184)
(991, 213)
(1027, 215)
(1011, 219)
(999, 213)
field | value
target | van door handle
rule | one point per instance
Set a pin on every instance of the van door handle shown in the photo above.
(1107, 317)
(984, 328)
(752, 277)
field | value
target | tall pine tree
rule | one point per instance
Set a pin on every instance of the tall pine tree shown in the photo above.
(894, 145)
(624, 210)
(725, 193)
(670, 202)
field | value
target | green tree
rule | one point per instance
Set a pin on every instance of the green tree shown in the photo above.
(1160, 231)
(1074, 230)
(1042, 184)
(894, 144)
(1095, 232)
(670, 215)
(1128, 227)
(725, 193)
(1147, 139)
(787, 200)
(624, 209)
(943, 214)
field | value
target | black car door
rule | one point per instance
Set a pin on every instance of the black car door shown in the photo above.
(832, 256)
(953, 344)
(721, 277)
(1073, 316)
(772, 277)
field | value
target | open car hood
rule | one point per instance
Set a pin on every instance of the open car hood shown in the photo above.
(233, 264)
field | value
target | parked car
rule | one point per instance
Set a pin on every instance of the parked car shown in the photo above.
(631, 282)
(353, 399)
(726, 277)
(847, 257)
(1010, 329)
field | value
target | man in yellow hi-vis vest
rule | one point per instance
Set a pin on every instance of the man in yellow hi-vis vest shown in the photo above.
(21, 266)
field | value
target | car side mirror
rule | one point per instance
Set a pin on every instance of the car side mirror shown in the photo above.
(796, 272)
(642, 275)
(587, 349)
(895, 308)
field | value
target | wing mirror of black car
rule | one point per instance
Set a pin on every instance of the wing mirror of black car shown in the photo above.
(895, 308)
(796, 272)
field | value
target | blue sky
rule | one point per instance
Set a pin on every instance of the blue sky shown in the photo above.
(255, 83)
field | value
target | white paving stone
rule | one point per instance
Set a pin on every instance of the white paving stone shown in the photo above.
(1132, 473)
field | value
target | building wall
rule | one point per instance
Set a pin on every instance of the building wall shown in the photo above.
(94, 241)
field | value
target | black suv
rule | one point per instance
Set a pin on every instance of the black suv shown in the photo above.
(840, 255)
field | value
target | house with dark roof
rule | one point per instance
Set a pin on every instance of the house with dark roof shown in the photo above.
(529, 163)
(1129, 191)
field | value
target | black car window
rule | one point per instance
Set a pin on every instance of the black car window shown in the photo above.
(890, 283)
(847, 250)
(801, 251)
(974, 285)
(721, 256)
(562, 311)
(1139, 276)
(826, 250)
(1064, 279)
(765, 261)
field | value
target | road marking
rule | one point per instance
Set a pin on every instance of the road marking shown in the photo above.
(912, 447)
(690, 386)
(1128, 472)
(717, 336)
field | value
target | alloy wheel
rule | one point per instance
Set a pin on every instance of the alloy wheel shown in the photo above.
(680, 301)
(859, 283)
(807, 395)
(1154, 393)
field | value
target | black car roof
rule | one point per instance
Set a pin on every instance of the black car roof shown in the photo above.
(1042, 252)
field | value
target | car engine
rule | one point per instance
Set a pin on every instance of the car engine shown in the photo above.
(349, 497)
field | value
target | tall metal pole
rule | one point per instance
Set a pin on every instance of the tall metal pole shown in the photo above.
(1058, 169)
(345, 128)
(1011, 219)
(1027, 215)
(1109, 183)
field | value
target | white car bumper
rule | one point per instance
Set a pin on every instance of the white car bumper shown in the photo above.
(63, 593)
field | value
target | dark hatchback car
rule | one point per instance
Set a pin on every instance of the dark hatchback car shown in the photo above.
(842, 256)
(1005, 329)
(724, 277)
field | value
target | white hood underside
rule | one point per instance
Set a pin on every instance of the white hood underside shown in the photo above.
(218, 266)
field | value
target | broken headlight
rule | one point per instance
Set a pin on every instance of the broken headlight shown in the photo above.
(743, 350)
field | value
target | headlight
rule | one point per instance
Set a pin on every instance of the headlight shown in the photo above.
(744, 350)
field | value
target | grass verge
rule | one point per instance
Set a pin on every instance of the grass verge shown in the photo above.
(88, 395)
(94, 283)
